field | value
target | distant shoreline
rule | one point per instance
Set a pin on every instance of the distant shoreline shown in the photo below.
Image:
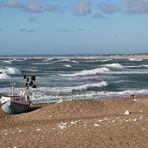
(137, 55)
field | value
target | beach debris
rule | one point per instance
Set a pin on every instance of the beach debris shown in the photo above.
(97, 125)
(113, 121)
(126, 112)
(62, 125)
(74, 122)
(135, 120)
(38, 129)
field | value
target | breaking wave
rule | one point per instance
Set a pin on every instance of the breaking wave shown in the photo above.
(88, 72)
(67, 60)
(3, 75)
(125, 93)
(12, 70)
(7, 61)
(72, 88)
(5, 72)
(67, 65)
(115, 65)
(135, 59)
(87, 86)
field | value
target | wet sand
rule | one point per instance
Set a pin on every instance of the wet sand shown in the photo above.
(103, 123)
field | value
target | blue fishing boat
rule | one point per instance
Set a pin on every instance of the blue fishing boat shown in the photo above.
(18, 103)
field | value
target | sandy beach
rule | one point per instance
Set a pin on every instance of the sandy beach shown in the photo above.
(104, 123)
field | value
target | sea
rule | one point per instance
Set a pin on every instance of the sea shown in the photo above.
(61, 78)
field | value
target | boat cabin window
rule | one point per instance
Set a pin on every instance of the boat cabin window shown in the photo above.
(17, 99)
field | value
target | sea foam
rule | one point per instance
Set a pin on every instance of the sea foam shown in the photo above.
(86, 86)
(12, 70)
(115, 65)
(135, 59)
(88, 72)
(3, 75)
(67, 65)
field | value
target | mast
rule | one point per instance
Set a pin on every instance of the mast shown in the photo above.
(12, 88)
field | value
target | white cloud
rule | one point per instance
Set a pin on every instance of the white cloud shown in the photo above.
(9, 3)
(82, 8)
(136, 6)
(13, 3)
(33, 6)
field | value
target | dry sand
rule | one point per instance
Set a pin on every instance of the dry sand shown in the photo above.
(107, 123)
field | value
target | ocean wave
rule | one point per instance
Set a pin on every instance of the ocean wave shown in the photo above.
(4, 75)
(144, 65)
(67, 60)
(67, 65)
(39, 63)
(12, 70)
(114, 65)
(7, 61)
(125, 93)
(138, 66)
(40, 94)
(88, 72)
(135, 71)
(45, 98)
(72, 88)
(135, 59)
(106, 60)
(9, 71)
(93, 60)
(87, 86)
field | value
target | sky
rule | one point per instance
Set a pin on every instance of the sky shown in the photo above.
(56, 27)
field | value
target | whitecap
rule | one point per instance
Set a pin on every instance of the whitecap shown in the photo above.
(86, 86)
(141, 66)
(67, 65)
(88, 72)
(135, 59)
(67, 60)
(125, 93)
(106, 60)
(12, 70)
(7, 61)
(3, 75)
(51, 90)
(115, 65)
(144, 65)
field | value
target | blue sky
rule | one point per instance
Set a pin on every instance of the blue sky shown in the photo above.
(73, 26)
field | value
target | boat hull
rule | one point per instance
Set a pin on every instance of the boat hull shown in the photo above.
(14, 107)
